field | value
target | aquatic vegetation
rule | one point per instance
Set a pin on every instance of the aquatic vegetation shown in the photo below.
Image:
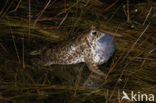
(26, 25)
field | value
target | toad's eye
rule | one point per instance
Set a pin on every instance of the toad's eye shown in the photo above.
(94, 33)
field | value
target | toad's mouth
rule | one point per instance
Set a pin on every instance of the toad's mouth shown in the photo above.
(100, 35)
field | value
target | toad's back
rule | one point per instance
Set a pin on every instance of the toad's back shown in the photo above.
(71, 52)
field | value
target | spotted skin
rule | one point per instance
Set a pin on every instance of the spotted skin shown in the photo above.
(93, 48)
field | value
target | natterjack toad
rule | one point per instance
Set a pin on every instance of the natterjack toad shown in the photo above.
(93, 48)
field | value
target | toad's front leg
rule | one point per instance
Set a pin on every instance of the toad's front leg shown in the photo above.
(92, 64)
(94, 68)
(98, 74)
